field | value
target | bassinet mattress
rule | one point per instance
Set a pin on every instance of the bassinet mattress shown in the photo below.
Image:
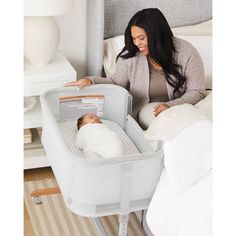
(69, 130)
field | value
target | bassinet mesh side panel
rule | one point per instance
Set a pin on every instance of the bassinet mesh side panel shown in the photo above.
(114, 188)
(69, 131)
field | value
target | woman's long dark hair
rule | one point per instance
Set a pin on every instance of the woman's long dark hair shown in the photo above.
(160, 44)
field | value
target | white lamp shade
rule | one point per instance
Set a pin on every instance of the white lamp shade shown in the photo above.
(41, 32)
(42, 38)
(47, 7)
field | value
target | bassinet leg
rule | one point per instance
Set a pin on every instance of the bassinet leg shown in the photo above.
(123, 224)
(99, 226)
(45, 191)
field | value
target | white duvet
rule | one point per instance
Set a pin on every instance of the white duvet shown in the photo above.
(100, 139)
(183, 214)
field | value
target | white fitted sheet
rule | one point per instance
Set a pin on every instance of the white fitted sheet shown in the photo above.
(69, 130)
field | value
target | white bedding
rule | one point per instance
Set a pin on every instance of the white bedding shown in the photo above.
(170, 122)
(185, 214)
(181, 204)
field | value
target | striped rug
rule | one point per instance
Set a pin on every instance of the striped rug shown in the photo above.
(53, 218)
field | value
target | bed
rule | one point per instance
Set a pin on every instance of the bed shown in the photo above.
(190, 20)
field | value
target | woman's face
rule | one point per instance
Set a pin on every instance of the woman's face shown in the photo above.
(140, 39)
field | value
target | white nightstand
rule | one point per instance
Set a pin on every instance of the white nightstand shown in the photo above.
(38, 79)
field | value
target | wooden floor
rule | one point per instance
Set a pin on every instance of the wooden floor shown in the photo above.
(30, 175)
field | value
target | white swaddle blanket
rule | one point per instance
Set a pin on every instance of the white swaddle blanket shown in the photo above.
(100, 139)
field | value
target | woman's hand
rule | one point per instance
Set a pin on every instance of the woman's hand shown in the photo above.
(84, 82)
(159, 108)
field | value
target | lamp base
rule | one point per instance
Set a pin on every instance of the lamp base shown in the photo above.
(41, 39)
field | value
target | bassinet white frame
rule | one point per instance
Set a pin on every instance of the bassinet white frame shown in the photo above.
(94, 188)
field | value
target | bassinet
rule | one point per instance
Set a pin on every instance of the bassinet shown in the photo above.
(94, 188)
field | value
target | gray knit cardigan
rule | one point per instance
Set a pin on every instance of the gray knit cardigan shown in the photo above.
(133, 74)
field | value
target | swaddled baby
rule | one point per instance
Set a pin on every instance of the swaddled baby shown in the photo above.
(94, 136)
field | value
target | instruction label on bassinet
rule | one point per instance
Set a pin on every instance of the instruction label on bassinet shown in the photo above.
(73, 107)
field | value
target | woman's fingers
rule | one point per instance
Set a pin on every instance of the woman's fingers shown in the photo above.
(156, 111)
(159, 108)
(80, 83)
(74, 83)
(156, 107)
(84, 82)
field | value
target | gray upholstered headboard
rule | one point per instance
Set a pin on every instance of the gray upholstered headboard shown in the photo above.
(109, 18)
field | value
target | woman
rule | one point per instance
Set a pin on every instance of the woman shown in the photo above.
(155, 67)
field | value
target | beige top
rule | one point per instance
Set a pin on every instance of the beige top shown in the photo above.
(157, 86)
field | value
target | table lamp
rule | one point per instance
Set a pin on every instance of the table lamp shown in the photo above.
(41, 32)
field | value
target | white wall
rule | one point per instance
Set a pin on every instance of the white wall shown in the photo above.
(73, 36)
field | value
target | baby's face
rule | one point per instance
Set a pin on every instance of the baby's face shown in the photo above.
(91, 118)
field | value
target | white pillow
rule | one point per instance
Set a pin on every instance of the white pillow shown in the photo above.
(204, 28)
(113, 46)
(188, 156)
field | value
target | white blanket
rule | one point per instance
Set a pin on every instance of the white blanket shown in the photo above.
(170, 122)
(100, 139)
(181, 214)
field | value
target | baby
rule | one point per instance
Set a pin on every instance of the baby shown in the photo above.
(94, 136)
